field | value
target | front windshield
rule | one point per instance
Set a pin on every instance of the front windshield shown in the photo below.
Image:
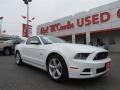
(50, 40)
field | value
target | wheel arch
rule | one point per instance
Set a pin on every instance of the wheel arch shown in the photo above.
(60, 54)
(17, 51)
(52, 53)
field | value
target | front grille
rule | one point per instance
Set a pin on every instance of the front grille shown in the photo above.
(101, 55)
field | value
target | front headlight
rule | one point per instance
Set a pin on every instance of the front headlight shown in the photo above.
(82, 56)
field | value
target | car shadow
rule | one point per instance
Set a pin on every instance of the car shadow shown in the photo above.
(32, 68)
(1, 54)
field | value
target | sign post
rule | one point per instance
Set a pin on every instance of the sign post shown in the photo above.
(25, 32)
(1, 18)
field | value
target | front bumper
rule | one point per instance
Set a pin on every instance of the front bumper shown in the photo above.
(88, 68)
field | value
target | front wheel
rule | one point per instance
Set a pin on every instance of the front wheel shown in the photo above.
(7, 51)
(18, 58)
(57, 68)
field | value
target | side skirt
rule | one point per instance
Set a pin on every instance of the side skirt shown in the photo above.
(35, 65)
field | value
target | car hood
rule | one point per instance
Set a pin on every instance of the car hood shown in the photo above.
(80, 47)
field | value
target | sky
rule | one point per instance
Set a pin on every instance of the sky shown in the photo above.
(43, 10)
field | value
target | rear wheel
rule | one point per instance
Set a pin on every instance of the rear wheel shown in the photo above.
(57, 68)
(18, 58)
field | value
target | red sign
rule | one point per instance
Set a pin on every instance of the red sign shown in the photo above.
(94, 19)
(118, 13)
(26, 33)
(44, 30)
(24, 30)
(57, 27)
(97, 18)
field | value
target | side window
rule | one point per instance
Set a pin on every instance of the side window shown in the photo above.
(33, 39)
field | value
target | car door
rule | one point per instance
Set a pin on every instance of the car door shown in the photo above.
(32, 51)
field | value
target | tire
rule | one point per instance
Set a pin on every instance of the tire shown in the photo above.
(7, 51)
(57, 68)
(18, 58)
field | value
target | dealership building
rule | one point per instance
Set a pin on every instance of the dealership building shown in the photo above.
(98, 24)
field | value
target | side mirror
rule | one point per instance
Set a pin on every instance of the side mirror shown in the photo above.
(35, 42)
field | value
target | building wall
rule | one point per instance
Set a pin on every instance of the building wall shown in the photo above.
(96, 24)
(95, 21)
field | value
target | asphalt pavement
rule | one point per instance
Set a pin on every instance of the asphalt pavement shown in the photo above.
(25, 77)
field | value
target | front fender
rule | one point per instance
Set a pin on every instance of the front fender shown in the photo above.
(63, 54)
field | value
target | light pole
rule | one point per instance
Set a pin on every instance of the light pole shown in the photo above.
(1, 18)
(27, 3)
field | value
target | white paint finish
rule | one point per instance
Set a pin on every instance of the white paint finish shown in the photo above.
(36, 55)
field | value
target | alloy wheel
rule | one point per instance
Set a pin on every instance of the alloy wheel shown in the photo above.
(55, 68)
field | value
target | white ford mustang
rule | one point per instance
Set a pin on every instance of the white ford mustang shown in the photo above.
(63, 60)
